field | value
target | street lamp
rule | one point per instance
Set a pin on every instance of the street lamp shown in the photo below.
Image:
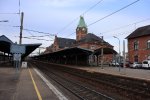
(119, 50)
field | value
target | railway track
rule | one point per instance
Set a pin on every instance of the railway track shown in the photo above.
(82, 92)
(130, 88)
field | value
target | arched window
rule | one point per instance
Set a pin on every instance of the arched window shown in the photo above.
(136, 45)
(148, 44)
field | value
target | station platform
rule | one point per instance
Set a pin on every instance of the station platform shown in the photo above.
(143, 74)
(24, 84)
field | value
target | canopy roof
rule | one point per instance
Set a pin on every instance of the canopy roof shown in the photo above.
(5, 45)
(105, 51)
(68, 51)
(78, 51)
(30, 48)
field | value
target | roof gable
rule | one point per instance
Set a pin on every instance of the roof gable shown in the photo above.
(92, 38)
(142, 31)
(65, 42)
(4, 38)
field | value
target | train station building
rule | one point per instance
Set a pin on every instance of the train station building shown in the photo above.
(84, 41)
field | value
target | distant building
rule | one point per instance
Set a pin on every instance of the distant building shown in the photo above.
(83, 40)
(139, 44)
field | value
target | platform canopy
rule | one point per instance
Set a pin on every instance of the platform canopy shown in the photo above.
(69, 51)
(78, 51)
(105, 51)
(30, 48)
(6, 43)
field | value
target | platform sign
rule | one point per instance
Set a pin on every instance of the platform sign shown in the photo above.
(15, 48)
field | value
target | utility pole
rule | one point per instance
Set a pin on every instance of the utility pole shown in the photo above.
(21, 28)
(102, 53)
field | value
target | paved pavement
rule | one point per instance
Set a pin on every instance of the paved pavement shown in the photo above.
(8, 82)
(127, 72)
(23, 85)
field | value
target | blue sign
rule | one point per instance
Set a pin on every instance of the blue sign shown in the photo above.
(15, 48)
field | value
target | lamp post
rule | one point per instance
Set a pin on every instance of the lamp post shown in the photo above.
(119, 50)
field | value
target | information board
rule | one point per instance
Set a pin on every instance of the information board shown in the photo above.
(15, 48)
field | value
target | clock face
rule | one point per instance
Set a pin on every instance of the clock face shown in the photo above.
(83, 29)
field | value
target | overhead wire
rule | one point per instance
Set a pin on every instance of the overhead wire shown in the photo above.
(110, 14)
(38, 36)
(78, 17)
(126, 25)
(113, 12)
(9, 13)
(36, 39)
(39, 32)
(30, 30)
(70, 34)
(119, 34)
(91, 7)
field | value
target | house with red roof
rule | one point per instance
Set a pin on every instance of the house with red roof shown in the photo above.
(139, 44)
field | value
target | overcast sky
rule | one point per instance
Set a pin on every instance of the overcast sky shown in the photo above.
(52, 16)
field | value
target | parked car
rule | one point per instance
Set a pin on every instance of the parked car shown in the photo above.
(146, 64)
(136, 65)
(114, 64)
(127, 64)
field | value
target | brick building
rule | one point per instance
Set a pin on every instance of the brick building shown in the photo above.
(83, 40)
(139, 44)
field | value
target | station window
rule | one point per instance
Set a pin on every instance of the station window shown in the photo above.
(136, 45)
(148, 44)
(136, 58)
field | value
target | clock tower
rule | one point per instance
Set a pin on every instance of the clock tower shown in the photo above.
(81, 30)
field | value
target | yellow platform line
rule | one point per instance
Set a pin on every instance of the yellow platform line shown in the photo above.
(35, 87)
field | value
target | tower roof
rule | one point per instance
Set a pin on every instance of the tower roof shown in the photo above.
(82, 22)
